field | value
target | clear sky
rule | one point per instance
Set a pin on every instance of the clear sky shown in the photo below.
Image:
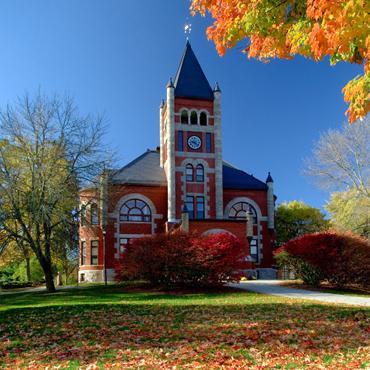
(116, 56)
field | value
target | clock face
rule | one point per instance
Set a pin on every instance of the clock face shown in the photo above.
(194, 142)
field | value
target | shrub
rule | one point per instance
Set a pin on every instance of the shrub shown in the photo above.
(303, 270)
(183, 259)
(340, 258)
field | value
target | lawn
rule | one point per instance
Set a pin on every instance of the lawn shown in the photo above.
(135, 328)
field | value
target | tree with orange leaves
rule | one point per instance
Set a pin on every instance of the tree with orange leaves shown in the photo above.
(315, 29)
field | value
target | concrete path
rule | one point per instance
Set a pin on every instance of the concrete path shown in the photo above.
(21, 290)
(272, 287)
(34, 290)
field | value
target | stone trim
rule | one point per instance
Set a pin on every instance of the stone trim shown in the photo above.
(218, 155)
(259, 218)
(196, 128)
(170, 165)
(206, 191)
(246, 200)
(195, 155)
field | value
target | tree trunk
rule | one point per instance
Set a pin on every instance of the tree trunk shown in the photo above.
(28, 269)
(46, 267)
(49, 279)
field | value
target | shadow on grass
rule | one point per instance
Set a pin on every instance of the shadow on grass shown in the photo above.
(111, 324)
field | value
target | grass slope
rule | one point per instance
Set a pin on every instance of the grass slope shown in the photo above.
(125, 327)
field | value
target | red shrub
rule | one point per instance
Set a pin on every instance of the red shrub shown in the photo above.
(183, 259)
(341, 258)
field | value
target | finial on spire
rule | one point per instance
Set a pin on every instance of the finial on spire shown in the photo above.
(170, 83)
(269, 178)
(187, 29)
(216, 88)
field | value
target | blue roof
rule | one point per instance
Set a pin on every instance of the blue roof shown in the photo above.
(190, 81)
(146, 170)
(234, 178)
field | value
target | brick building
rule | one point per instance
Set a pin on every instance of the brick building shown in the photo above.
(183, 183)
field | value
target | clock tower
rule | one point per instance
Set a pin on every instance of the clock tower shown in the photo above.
(190, 143)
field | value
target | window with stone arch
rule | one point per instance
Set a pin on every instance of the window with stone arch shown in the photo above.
(199, 173)
(194, 118)
(239, 211)
(203, 119)
(189, 173)
(135, 210)
(184, 117)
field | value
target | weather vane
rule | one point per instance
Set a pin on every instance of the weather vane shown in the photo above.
(187, 29)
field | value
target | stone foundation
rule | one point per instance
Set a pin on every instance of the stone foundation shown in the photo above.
(262, 273)
(95, 276)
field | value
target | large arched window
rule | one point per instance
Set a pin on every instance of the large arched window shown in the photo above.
(135, 210)
(199, 173)
(184, 117)
(189, 173)
(94, 216)
(239, 211)
(203, 119)
(194, 118)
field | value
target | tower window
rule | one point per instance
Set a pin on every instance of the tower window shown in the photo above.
(94, 214)
(135, 210)
(189, 173)
(184, 117)
(200, 208)
(194, 118)
(190, 206)
(94, 252)
(180, 141)
(208, 143)
(203, 119)
(83, 253)
(199, 173)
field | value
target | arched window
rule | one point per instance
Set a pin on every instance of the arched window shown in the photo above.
(239, 211)
(135, 210)
(199, 173)
(189, 173)
(203, 119)
(184, 117)
(94, 216)
(194, 118)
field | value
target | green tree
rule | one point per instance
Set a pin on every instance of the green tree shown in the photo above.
(350, 210)
(297, 218)
(47, 153)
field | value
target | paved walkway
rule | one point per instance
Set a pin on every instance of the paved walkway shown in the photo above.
(272, 287)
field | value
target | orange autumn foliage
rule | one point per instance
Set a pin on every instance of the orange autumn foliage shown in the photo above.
(338, 29)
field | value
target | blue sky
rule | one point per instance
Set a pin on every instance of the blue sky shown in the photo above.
(115, 57)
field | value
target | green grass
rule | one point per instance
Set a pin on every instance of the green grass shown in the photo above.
(135, 327)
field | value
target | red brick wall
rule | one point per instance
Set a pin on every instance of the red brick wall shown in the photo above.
(268, 236)
(238, 228)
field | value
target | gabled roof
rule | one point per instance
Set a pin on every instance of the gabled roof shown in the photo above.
(144, 170)
(233, 178)
(190, 81)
